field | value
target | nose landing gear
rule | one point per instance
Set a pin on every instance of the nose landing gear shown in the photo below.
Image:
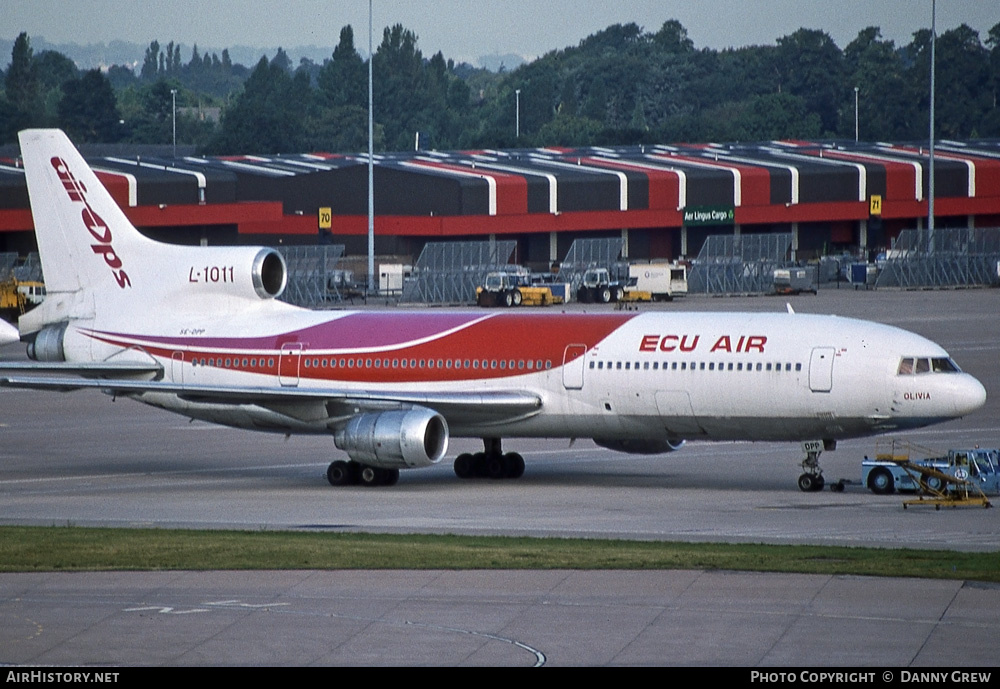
(812, 479)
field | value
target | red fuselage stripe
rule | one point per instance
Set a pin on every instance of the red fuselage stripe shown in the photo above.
(507, 339)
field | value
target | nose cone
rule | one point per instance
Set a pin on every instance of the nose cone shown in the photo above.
(970, 395)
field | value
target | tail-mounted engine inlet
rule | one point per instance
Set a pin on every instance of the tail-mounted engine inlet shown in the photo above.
(270, 274)
(48, 344)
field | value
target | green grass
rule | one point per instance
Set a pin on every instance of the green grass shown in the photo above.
(49, 549)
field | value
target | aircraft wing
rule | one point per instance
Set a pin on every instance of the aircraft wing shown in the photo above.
(87, 370)
(481, 407)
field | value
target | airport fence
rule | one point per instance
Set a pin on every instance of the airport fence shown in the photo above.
(313, 277)
(449, 272)
(739, 264)
(952, 257)
(28, 270)
(585, 254)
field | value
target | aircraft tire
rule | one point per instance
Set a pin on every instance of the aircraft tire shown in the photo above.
(479, 465)
(371, 476)
(339, 473)
(514, 465)
(807, 483)
(496, 466)
(464, 466)
(880, 482)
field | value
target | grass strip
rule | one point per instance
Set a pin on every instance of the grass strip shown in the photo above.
(70, 548)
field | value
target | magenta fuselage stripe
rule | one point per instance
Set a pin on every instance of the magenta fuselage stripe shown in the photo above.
(351, 332)
(502, 341)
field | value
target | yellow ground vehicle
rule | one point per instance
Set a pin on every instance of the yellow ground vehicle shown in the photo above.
(597, 286)
(11, 301)
(513, 289)
(18, 296)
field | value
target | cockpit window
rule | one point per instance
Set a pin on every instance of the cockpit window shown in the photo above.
(944, 365)
(912, 365)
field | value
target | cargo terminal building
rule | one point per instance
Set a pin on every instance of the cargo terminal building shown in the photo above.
(662, 200)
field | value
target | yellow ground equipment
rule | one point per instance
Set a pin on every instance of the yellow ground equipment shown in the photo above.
(514, 289)
(18, 296)
(960, 478)
(948, 488)
(11, 300)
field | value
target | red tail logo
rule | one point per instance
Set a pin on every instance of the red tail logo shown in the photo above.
(98, 229)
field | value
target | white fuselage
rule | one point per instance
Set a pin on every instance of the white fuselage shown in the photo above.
(718, 376)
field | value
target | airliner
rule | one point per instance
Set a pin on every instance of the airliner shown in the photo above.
(8, 333)
(200, 331)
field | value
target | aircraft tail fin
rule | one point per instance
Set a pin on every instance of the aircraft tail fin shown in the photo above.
(84, 238)
(86, 243)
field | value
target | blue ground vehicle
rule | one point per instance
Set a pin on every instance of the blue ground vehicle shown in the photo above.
(887, 472)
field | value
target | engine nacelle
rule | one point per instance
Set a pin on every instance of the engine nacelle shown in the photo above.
(269, 274)
(248, 272)
(403, 439)
(641, 447)
(48, 343)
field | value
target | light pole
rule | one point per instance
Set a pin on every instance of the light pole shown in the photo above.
(930, 171)
(173, 104)
(855, 114)
(371, 161)
(517, 129)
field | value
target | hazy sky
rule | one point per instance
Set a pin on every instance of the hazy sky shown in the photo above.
(465, 29)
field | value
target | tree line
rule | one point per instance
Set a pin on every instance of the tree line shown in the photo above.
(620, 85)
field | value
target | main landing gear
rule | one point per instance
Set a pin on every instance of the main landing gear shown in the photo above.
(341, 473)
(491, 463)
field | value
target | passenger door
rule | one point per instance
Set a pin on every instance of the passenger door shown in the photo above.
(288, 364)
(821, 369)
(573, 364)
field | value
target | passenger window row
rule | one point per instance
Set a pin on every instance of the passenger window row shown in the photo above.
(350, 363)
(502, 364)
(234, 362)
(693, 366)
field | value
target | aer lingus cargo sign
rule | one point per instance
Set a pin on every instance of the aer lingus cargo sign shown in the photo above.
(696, 216)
